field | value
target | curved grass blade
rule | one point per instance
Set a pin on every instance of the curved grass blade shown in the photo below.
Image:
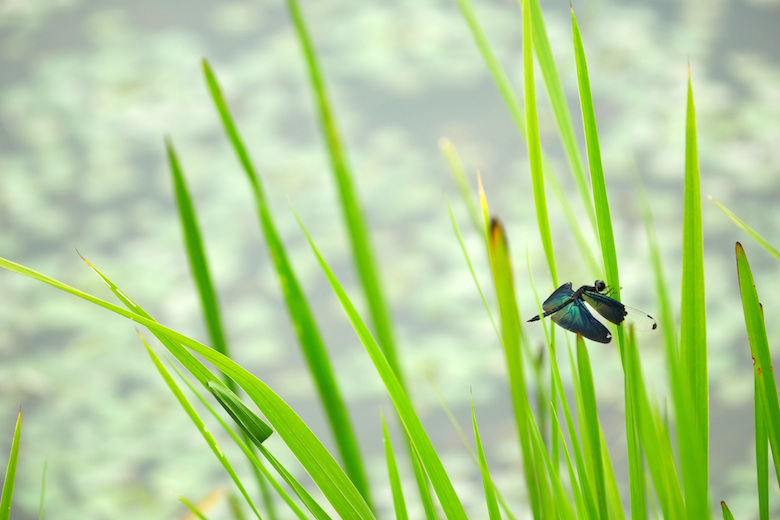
(197, 256)
(694, 429)
(471, 266)
(305, 446)
(759, 349)
(435, 469)
(448, 150)
(362, 250)
(310, 503)
(195, 418)
(10, 472)
(395, 480)
(762, 448)
(747, 229)
(250, 423)
(487, 483)
(193, 509)
(298, 307)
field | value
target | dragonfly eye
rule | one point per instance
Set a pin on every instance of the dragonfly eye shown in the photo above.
(599, 285)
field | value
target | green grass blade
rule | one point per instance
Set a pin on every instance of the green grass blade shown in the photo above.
(10, 472)
(197, 255)
(759, 349)
(204, 431)
(762, 447)
(362, 250)
(439, 480)
(560, 108)
(511, 333)
(747, 229)
(471, 266)
(193, 508)
(423, 485)
(448, 150)
(693, 333)
(395, 479)
(534, 145)
(246, 419)
(487, 483)
(726, 512)
(298, 307)
(603, 218)
(589, 423)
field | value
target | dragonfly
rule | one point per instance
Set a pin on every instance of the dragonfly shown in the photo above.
(566, 307)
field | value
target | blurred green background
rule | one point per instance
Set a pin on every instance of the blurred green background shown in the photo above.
(88, 89)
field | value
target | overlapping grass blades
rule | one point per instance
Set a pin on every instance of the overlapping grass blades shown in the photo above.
(362, 250)
(298, 307)
(441, 483)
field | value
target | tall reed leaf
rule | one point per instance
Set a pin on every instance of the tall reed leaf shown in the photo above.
(353, 216)
(298, 307)
(414, 428)
(694, 418)
(10, 472)
(487, 483)
(395, 479)
(197, 256)
(759, 349)
(534, 146)
(511, 333)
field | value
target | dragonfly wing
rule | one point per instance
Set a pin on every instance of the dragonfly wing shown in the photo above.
(558, 298)
(608, 307)
(618, 313)
(577, 318)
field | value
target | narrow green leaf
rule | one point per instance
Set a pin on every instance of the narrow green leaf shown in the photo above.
(423, 485)
(395, 479)
(204, 431)
(487, 482)
(759, 349)
(747, 229)
(726, 513)
(193, 508)
(439, 480)
(362, 250)
(511, 333)
(197, 256)
(534, 145)
(471, 266)
(448, 150)
(298, 307)
(694, 442)
(250, 423)
(10, 472)
(589, 423)
(762, 447)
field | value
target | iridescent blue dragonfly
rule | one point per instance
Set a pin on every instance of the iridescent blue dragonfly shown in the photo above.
(567, 308)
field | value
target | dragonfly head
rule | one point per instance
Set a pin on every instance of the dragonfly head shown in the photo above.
(599, 285)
